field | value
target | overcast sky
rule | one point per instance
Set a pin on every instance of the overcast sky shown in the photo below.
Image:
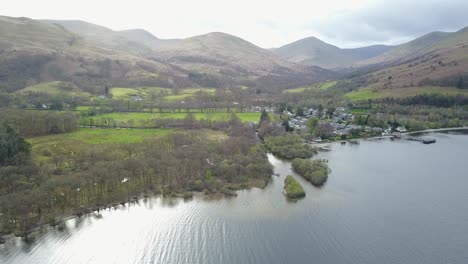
(266, 23)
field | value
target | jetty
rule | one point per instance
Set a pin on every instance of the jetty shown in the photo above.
(424, 140)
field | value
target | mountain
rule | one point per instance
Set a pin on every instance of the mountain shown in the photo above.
(313, 51)
(33, 51)
(226, 56)
(435, 59)
(407, 49)
(126, 41)
(91, 56)
(146, 38)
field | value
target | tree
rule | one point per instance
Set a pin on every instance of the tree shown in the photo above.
(12, 146)
(300, 111)
(264, 117)
(324, 130)
(460, 83)
(312, 124)
(106, 91)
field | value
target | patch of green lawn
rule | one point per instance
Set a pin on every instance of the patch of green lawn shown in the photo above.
(363, 94)
(100, 136)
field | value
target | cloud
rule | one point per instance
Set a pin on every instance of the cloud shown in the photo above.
(346, 23)
(393, 21)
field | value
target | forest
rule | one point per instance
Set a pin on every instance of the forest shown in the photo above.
(56, 178)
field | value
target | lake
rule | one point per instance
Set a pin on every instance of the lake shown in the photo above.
(385, 202)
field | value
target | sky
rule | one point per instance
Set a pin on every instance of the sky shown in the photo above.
(266, 23)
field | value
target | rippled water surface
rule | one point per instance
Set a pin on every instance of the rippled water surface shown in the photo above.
(385, 202)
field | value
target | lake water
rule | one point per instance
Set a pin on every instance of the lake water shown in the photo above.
(385, 202)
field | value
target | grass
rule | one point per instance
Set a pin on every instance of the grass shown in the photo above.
(123, 93)
(165, 93)
(292, 188)
(55, 88)
(370, 93)
(319, 86)
(101, 136)
(216, 116)
(363, 94)
(83, 108)
(187, 93)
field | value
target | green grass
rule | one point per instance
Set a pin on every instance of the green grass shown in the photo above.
(165, 93)
(327, 85)
(319, 86)
(83, 108)
(187, 93)
(292, 188)
(100, 136)
(123, 93)
(55, 88)
(363, 94)
(371, 93)
(359, 111)
(216, 116)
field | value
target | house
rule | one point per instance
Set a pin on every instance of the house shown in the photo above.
(401, 129)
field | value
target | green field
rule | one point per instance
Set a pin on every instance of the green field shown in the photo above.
(100, 136)
(159, 92)
(369, 93)
(55, 88)
(319, 86)
(216, 116)
(363, 94)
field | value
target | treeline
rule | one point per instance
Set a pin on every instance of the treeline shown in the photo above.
(434, 99)
(189, 122)
(315, 171)
(13, 148)
(74, 179)
(413, 117)
(459, 81)
(289, 146)
(35, 123)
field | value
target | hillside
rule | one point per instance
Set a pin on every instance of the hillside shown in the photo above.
(442, 63)
(223, 55)
(313, 51)
(33, 52)
(91, 57)
(407, 49)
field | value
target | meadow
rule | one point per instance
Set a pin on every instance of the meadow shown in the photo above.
(319, 86)
(214, 116)
(369, 93)
(158, 92)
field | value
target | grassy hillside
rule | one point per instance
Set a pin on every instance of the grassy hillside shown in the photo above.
(313, 51)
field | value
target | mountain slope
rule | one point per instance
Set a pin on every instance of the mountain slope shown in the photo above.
(407, 49)
(33, 51)
(221, 54)
(313, 51)
(91, 56)
(443, 61)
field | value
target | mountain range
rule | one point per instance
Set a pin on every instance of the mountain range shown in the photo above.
(89, 55)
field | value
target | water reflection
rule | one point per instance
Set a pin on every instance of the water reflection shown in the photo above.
(384, 202)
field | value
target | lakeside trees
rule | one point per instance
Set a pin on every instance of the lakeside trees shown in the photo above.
(74, 178)
(292, 188)
(289, 146)
(315, 171)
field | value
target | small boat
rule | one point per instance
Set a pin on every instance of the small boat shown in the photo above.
(428, 140)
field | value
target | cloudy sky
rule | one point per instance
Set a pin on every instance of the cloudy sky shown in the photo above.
(266, 23)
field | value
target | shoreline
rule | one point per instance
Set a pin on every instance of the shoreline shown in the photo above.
(322, 145)
(177, 195)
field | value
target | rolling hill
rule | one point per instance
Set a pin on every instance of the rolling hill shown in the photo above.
(227, 57)
(407, 49)
(91, 56)
(33, 52)
(313, 51)
(434, 60)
